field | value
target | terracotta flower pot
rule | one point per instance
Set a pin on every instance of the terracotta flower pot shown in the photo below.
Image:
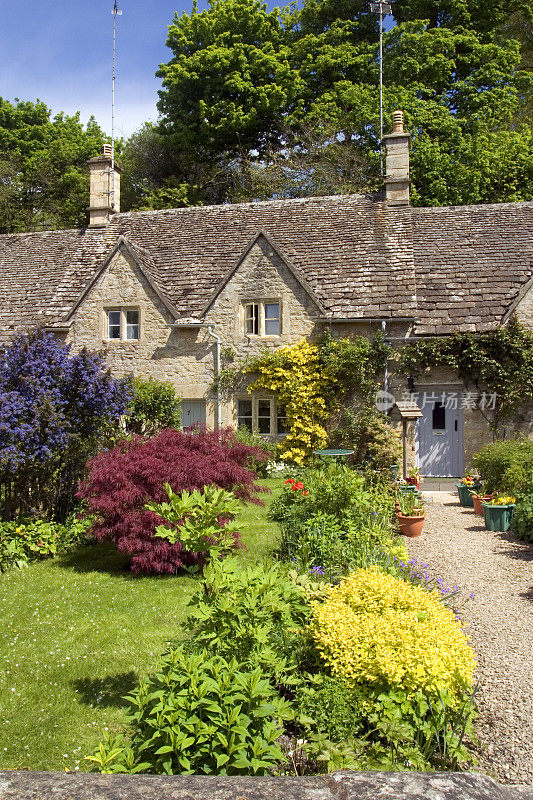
(410, 526)
(478, 499)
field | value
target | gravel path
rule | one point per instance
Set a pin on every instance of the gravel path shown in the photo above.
(498, 570)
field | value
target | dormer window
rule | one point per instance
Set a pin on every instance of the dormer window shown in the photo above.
(262, 318)
(122, 323)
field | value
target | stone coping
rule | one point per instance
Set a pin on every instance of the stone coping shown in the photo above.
(18, 785)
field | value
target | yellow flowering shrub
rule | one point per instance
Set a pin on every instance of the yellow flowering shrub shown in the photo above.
(293, 374)
(377, 629)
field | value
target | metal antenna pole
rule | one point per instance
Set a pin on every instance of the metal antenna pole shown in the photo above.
(383, 7)
(116, 13)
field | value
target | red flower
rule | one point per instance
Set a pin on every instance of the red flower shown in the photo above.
(305, 493)
(289, 480)
(298, 485)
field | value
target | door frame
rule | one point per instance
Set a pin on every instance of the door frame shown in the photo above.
(439, 389)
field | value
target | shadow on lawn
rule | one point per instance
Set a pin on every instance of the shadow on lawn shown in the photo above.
(106, 692)
(96, 557)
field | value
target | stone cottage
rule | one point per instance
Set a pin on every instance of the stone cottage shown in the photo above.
(162, 293)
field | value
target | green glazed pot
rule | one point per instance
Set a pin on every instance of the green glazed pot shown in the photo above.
(465, 495)
(497, 518)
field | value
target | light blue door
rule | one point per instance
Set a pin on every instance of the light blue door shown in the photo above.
(192, 412)
(439, 435)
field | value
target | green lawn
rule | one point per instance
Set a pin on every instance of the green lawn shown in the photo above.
(75, 632)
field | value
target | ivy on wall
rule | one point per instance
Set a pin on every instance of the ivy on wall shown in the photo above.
(497, 364)
(313, 381)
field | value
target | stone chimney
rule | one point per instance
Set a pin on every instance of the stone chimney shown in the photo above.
(104, 188)
(397, 179)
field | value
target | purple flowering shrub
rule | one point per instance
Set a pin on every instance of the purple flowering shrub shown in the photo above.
(121, 481)
(54, 411)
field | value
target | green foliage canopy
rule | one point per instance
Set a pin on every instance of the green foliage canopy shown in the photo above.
(44, 182)
(245, 86)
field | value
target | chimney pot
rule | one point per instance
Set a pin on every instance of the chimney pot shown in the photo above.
(397, 122)
(106, 149)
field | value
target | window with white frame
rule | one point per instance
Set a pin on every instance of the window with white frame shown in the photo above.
(251, 319)
(262, 318)
(261, 415)
(122, 323)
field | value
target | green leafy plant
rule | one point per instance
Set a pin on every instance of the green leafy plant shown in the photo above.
(522, 523)
(153, 407)
(27, 540)
(255, 613)
(373, 438)
(411, 505)
(200, 714)
(199, 520)
(506, 466)
(337, 519)
(382, 728)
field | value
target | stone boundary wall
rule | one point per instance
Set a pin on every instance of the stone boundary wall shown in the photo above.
(15, 785)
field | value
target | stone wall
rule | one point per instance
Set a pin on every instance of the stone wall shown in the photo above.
(183, 357)
(337, 786)
(186, 356)
(524, 309)
(264, 277)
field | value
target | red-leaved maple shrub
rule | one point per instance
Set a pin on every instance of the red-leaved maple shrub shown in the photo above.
(122, 480)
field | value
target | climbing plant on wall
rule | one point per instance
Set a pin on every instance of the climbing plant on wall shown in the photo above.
(496, 365)
(312, 381)
(293, 374)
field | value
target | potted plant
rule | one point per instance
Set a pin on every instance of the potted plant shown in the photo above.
(498, 512)
(479, 498)
(468, 485)
(410, 514)
(414, 478)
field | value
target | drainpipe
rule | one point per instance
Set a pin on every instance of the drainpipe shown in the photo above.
(217, 371)
(386, 373)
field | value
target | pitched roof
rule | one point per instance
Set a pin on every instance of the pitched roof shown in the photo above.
(448, 268)
(471, 264)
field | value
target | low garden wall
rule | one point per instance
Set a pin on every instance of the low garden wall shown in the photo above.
(337, 786)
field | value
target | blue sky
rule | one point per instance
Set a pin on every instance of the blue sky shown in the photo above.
(61, 53)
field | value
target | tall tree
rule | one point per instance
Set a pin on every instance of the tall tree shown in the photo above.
(44, 182)
(245, 88)
(228, 84)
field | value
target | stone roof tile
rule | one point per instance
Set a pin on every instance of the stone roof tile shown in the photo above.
(445, 267)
